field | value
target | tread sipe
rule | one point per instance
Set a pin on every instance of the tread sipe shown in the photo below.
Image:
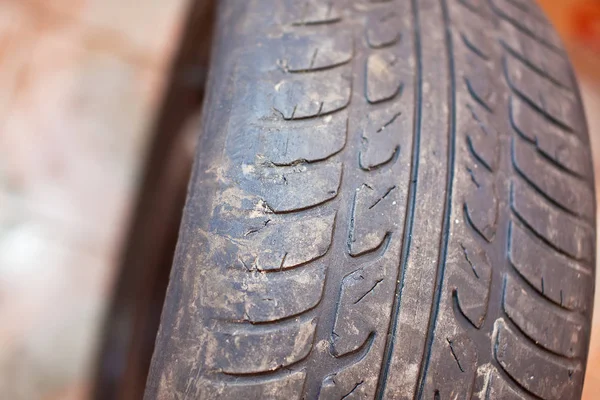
(391, 199)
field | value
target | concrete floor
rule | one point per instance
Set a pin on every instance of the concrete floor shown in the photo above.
(79, 83)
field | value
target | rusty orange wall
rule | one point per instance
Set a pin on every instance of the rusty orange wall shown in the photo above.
(578, 22)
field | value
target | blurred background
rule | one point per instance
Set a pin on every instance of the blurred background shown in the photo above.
(81, 85)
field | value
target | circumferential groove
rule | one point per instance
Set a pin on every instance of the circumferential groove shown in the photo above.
(366, 201)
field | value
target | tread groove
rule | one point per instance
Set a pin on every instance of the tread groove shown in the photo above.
(541, 192)
(509, 321)
(545, 114)
(527, 31)
(476, 97)
(390, 200)
(522, 221)
(410, 209)
(441, 263)
(473, 48)
(531, 65)
(535, 142)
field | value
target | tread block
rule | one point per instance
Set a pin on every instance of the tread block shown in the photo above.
(563, 148)
(313, 12)
(383, 28)
(287, 244)
(490, 385)
(481, 205)
(529, 51)
(313, 95)
(554, 102)
(370, 224)
(556, 277)
(538, 29)
(306, 143)
(480, 82)
(561, 230)
(563, 189)
(382, 136)
(351, 383)
(363, 308)
(259, 297)
(546, 324)
(471, 34)
(547, 376)
(475, 6)
(287, 387)
(243, 351)
(286, 189)
(482, 139)
(529, 7)
(384, 76)
(316, 52)
(454, 369)
(472, 284)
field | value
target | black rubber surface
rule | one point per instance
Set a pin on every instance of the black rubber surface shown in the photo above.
(391, 199)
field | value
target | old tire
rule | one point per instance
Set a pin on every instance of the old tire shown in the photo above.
(390, 199)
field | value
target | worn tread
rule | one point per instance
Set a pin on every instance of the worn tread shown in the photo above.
(293, 343)
(563, 232)
(391, 199)
(571, 195)
(545, 375)
(567, 151)
(548, 326)
(545, 269)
